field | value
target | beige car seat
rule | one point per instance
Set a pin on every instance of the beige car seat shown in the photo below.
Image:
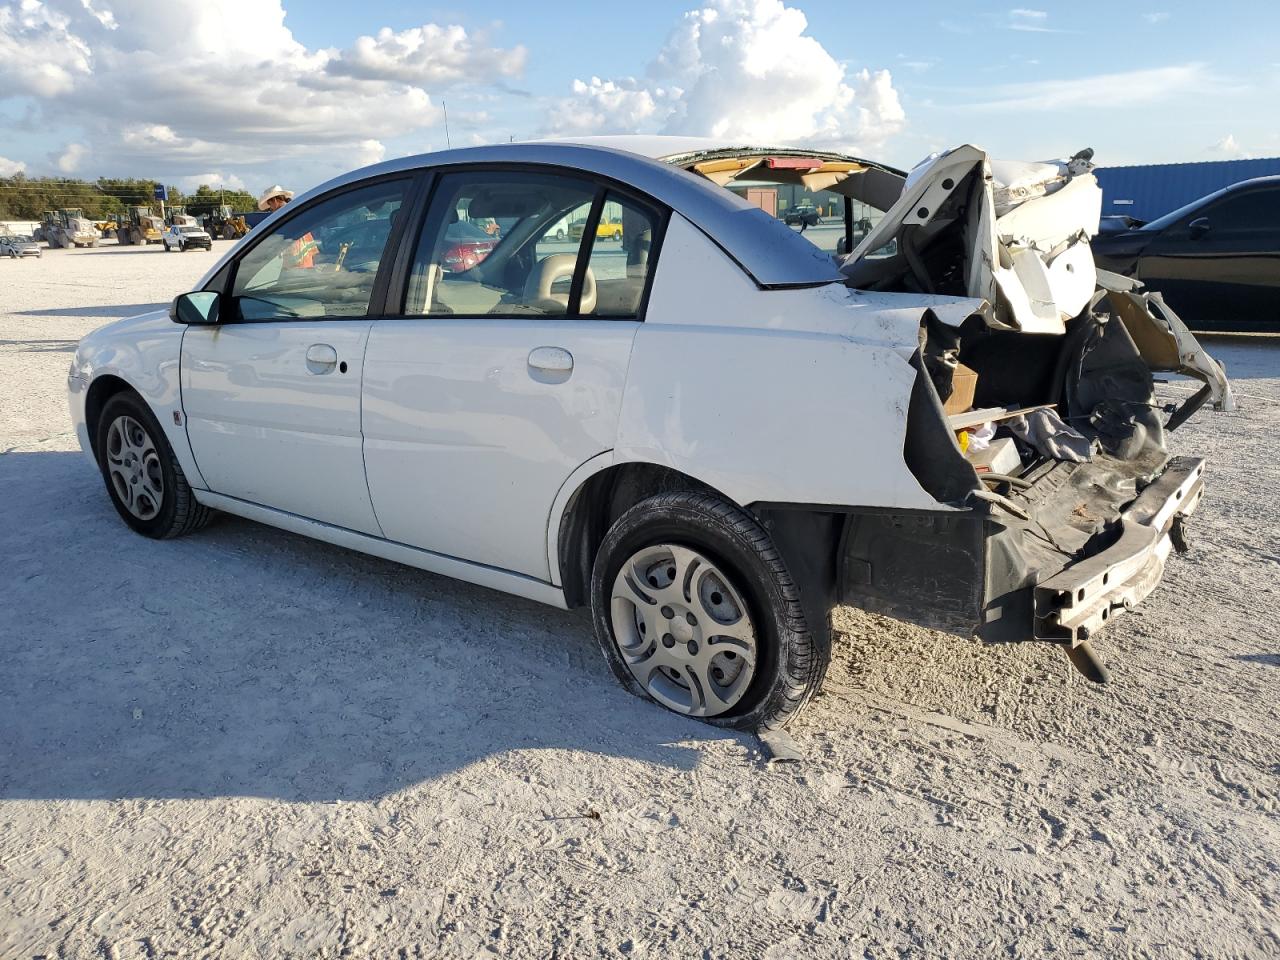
(548, 271)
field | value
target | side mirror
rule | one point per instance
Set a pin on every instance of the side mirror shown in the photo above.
(1198, 227)
(197, 308)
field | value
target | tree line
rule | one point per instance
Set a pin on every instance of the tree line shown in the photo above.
(26, 198)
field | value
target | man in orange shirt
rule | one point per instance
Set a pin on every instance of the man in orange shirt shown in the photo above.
(302, 253)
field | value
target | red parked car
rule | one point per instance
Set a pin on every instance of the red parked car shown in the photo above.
(467, 246)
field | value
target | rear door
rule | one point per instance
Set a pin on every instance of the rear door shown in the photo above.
(504, 376)
(272, 396)
(1219, 267)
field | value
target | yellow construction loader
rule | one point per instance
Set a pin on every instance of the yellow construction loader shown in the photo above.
(141, 225)
(225, 224)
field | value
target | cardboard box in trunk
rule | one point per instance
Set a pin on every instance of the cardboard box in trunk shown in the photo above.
(963, 384)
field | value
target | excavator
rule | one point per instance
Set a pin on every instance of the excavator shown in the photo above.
(225, 224)
(141, 225)
(68, 228)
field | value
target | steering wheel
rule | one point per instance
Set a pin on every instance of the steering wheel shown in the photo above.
(547, 272)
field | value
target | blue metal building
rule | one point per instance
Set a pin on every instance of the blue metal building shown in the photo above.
(1152, 190)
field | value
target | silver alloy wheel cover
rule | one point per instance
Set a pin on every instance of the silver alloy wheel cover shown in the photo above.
(683, 630)
(133, 466)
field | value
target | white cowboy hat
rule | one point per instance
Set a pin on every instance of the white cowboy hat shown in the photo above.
(276, 191)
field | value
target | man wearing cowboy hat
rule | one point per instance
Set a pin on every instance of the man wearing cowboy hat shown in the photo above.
(302, 253)
(273, 198)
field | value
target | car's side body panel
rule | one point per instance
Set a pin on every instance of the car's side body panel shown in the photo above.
(142, 351)
(270, 425)
(726, 390)
(476, 573)
(467, 442)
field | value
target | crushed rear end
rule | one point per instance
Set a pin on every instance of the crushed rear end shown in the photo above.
(1070, 523)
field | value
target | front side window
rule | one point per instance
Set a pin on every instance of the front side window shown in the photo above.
(1244, 210)
(323, 262)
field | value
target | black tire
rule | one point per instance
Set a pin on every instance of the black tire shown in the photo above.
(179, 513)
(792, 659)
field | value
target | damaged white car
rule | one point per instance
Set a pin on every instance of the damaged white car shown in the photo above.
(710, 431)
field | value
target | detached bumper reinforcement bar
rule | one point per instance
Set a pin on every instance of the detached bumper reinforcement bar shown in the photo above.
(1074, 604)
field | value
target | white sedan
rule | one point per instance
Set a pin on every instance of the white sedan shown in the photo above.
(709, 433)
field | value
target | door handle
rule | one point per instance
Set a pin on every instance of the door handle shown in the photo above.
(321, 358)
(551, 360)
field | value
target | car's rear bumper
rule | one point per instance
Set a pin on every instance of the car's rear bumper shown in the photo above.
(970, 572)
(1075, 603)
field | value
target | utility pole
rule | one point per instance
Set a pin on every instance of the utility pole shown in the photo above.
(447, 142)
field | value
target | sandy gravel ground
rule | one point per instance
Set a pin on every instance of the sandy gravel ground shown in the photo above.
(246, 744)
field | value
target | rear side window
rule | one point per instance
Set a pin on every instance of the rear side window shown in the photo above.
(323, 262)
(619, 261)
(502, 244)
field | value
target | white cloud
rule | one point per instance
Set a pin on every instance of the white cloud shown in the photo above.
(368, 152)
(188, 85)
(1101, 91)
(430, 55)
(104, 17)
(71, 157)
(214, 180)
(1229, 148)
(1154, 18)
(739, 69)
(39, 55)
(11, 168)
(1030, 21)
(606, 106)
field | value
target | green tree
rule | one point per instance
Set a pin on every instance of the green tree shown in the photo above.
(208, 199)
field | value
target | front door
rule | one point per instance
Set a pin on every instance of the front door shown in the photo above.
(507, 371)
(272, 395)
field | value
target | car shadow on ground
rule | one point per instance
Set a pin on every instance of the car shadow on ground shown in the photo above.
(106, 311)
(41, 346)
(1245, 357)
(246, 661)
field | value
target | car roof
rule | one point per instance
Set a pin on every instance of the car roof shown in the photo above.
(769, 251)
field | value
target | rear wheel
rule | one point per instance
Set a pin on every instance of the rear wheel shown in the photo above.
(694, 609)
(143, 477)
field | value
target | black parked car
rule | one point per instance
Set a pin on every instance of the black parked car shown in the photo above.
(802, 214)
(1216, 260)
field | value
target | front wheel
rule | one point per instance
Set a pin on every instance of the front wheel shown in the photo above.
(694, 608)
(144, 480)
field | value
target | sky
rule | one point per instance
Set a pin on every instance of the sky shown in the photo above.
(246, 93)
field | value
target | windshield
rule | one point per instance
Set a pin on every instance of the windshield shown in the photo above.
(189, 230)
